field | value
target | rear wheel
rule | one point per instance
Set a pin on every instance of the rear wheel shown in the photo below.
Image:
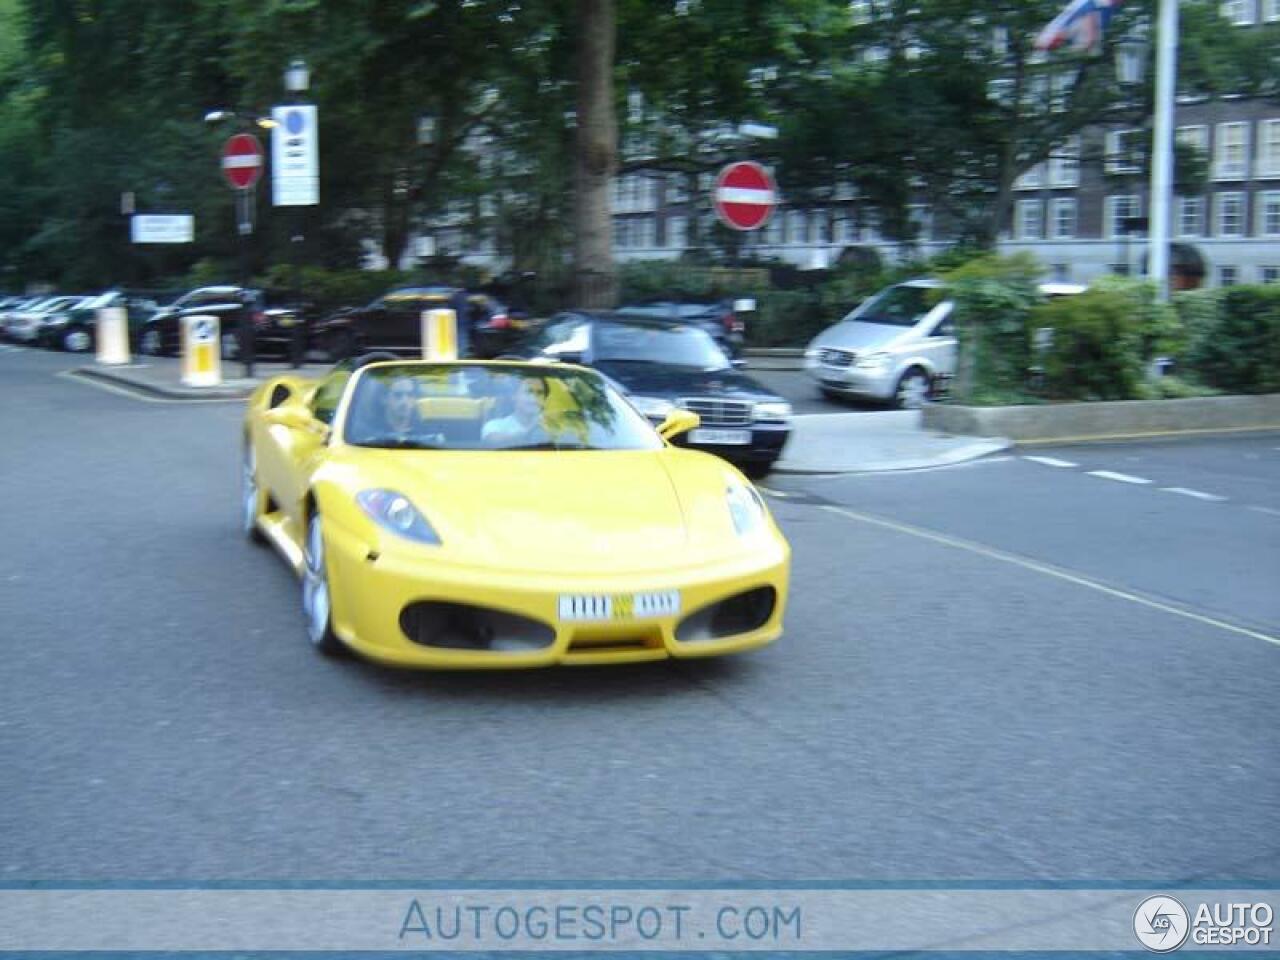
(316, 604)
(151, 343)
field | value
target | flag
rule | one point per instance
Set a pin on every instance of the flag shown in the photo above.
(1081, 23)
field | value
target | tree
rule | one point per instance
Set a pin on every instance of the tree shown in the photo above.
(595, 155)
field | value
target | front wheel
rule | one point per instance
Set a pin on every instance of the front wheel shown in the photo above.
(77, 340)
(316, 598)
(252, 499)
(913, 390)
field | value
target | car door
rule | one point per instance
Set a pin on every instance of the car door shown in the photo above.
(288, 448)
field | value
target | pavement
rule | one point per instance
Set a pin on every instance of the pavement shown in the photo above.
(1020, 670)
(828, 437)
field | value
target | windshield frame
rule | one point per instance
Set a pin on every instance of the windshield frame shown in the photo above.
(646, 436)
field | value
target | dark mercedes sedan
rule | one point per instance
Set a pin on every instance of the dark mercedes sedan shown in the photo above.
(662, 364)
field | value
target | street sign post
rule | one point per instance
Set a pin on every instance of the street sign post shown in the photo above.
(242, 161)
(745, 196)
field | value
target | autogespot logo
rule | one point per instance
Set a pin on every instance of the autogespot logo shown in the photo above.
(1161, 924)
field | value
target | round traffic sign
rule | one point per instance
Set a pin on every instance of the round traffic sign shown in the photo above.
(745, 195)
(242, 160)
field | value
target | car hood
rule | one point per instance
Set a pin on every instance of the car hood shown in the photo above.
(669, 382)
(589, 512)
(858, 335)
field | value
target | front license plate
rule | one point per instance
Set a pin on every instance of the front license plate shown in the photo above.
(728, 438)
(614, 607)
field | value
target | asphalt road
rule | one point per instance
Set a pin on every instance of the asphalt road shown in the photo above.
(1010, 671)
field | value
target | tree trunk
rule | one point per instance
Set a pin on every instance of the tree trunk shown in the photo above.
(595, 156)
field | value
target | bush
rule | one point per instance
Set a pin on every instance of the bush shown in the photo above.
(994, 297)
(331, 289)
(1198, 312)
(1097, 347)
(1159, 324)
(1240, 353)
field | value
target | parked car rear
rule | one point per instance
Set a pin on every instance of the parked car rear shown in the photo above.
(725, 320)
(275, 317)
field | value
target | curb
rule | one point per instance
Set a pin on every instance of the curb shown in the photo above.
(1108, 420)
(139, 385)
(973, 451)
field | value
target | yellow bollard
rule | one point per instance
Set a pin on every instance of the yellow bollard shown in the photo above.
(201, 352)
(439, 335)
(112, 335)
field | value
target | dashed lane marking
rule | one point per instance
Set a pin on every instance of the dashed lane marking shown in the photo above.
(1270, 511)
(1198, 494)
(1121, 477)
(1049, 571)
(1051, 461)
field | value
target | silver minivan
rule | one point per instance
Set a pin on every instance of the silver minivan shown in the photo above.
(898, 346)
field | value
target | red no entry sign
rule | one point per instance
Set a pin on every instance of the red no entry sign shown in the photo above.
(745, 196)
(242, 161)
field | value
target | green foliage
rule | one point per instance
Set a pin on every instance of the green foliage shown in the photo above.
(1159, 325)
(994, 297)
(1198, 312)
(1096, 353)
(1173, 388)
(1240, 352)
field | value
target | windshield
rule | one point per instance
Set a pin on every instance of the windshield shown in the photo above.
(897, 306)
(491, 407)
(100, 301)
(678, 346)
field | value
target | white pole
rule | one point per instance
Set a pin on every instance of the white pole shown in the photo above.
(1162, 145)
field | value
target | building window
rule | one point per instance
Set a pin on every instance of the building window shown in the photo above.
(797, 227)
(621, 234)
(1060, 91)
(1064, 164)
(1195, 136)
(1064, 218)
(1269, 147)
(921, 220)
(1230, 150)
(1228, 276)
(773, 229)
(844, 231)
(820, 227)
(1030, 220)
(645, 231)
(677, 232)
(1123, 151)
(1239, 12)
(1032, 179)
(1118, 211)
(870, 227)
(1269, 214)
(1230, 215)
(1271, 274)
(1190, 216)
(1271, 10)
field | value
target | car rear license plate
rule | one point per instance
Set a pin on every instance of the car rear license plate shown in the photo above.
(612, 607)
(728, 438)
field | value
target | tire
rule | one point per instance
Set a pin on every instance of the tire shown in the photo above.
(316, 598)
(230, 346)
(253, 499)
(913, 390)
(150, 342)
(339, 345)
(76, 340)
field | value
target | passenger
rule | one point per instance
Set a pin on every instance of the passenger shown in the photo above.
(524, 425)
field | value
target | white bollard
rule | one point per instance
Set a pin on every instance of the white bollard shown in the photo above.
(439, 335)
(112, 335)
(201, 352)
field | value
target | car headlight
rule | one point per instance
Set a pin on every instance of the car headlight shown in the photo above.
(872, 361)
(394, 512)
(653, 407)
(771, 410)
(745, 507)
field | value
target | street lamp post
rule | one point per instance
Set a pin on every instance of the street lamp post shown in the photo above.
(297, 80)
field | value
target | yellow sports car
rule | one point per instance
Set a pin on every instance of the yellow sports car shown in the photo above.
(503, 515)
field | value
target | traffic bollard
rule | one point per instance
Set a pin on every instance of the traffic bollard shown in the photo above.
(439, 335)
(201, 352)
(111, 336)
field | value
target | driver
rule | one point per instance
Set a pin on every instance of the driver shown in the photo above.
(401, 409)
(524, 424)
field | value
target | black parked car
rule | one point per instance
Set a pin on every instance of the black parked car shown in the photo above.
(724, 320)
(662, 364)
(394, 322)
(275, 317)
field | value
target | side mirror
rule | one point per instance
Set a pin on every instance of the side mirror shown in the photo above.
(292, 414)
(677, 422)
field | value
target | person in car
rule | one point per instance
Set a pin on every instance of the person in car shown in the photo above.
(524, 425)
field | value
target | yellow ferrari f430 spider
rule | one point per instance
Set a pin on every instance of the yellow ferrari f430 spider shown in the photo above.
(496, 515)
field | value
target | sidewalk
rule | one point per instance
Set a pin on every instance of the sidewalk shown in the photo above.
(859, 442)
(875, 442)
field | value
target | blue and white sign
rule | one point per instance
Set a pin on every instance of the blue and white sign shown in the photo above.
(295, 157)
(162, 228)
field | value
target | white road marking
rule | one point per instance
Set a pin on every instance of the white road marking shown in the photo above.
(1050, 571)
(1051, 461)
(1122, 477)
(1270, 511)
(1198, 494)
